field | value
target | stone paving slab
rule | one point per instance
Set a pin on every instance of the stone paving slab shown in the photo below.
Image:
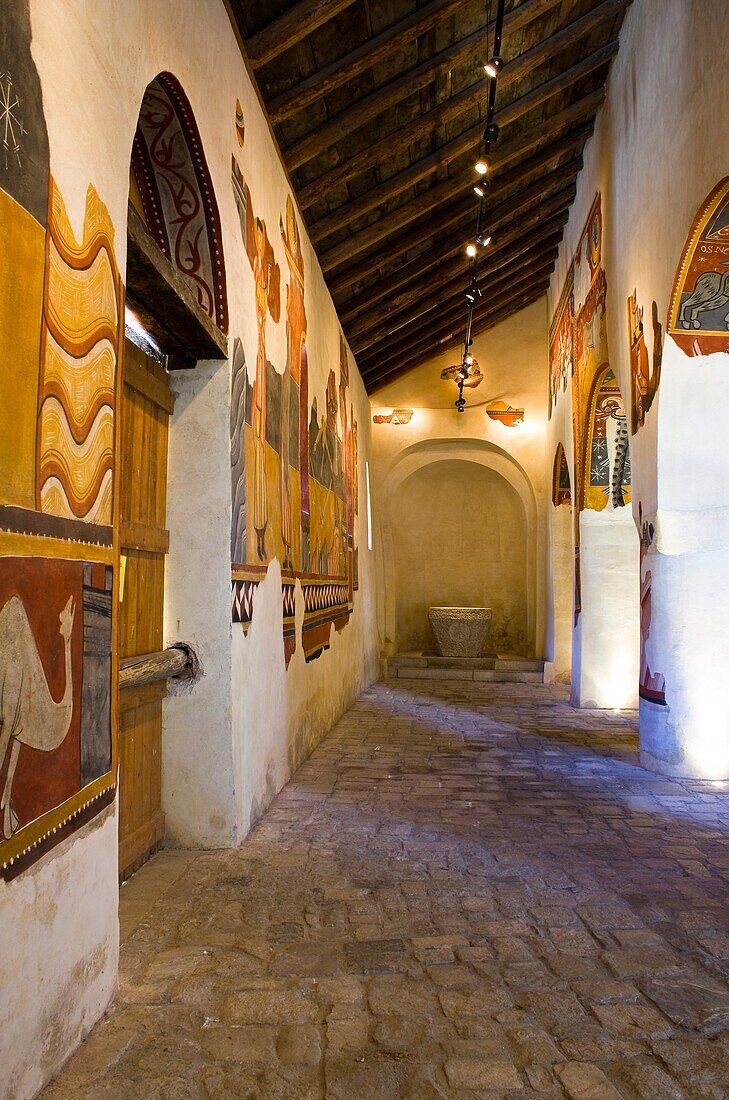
(468, 890)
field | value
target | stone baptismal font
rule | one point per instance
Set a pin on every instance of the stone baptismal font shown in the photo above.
(460, 631)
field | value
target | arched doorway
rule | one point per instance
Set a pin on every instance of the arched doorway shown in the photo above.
(559, 645)
(176, 314)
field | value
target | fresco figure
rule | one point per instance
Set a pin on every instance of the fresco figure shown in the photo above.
(698, 319)
(29, 715)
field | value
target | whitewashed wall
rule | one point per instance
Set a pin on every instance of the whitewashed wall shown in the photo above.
(231, 742)
(660, 145)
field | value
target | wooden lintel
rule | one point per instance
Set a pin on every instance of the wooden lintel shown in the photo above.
(176, 321)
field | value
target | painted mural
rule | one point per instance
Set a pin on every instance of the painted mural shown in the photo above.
(59, 338)
(698, 314)
(579, 348)
(174, 195)
(561, 487)
(293, 466)
(644, 380)
(652, 687)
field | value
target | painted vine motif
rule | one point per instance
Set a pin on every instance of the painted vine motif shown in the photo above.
(293, 466)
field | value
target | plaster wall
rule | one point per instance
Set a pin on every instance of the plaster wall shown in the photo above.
(459, 533)
(513, 358)
(660, 145)
(232, 738)
(561, 601)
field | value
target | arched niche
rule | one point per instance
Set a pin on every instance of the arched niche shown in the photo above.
(698, 314)
(172, 192)
(481, 452)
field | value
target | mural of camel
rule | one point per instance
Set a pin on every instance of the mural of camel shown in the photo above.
(710, 292)
(29, 715)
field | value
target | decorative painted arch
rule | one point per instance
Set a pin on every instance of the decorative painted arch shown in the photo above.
(171, 189)
(607, 474)
(698, 314)
(561, 484)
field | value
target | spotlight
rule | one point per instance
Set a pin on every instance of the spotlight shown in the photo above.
(493, 67)
(481, 167)
(471, 250)
(468, 360)
(491, 133)
(483, 240)
(479, 189)
(473, 294)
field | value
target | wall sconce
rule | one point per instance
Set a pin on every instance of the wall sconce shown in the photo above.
(397, 416)
(506, 414)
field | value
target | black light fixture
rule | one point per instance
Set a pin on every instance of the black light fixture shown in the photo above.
(494, 66)
(482, 238)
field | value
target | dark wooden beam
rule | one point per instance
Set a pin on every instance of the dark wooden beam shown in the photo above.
(453, 303)
(512, 206)
(411, 363)
(420, 210)
(453, 322)
(445, 112)
(358, 61)
(295, 24)
(398, 284)
(466, 142)
(451, 333)
(160, 294)
(417, 299)
(356, 115)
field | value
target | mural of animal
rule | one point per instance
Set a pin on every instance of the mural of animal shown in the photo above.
(710, 292)
(29, 715)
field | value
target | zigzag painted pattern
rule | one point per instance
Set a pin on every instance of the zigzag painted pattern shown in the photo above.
(78, 366)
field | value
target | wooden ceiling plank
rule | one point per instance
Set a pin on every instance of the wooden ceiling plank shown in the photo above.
(290, 28)
(455, 303)
(356, 115)
(395, 308)
(402, 181)
(423, 205)
(451, 335)
(412, 273)
(510, 208)
(357, 61)
(454, 319)
(410, 364)
(445, 112)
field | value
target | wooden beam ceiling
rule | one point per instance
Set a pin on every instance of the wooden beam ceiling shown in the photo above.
(378, 111)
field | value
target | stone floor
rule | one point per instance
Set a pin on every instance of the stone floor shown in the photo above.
(469, 890)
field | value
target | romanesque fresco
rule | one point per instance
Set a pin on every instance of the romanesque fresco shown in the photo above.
(293, 465)
(59, 339)
(173, 193)
(644, 380)
(560, 342)
(561, 487)
(698, 314)
(579, 348)
(652, 685)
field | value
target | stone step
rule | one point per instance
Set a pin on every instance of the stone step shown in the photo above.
(496, 669)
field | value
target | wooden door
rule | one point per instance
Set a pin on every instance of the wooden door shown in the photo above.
(146, 409)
